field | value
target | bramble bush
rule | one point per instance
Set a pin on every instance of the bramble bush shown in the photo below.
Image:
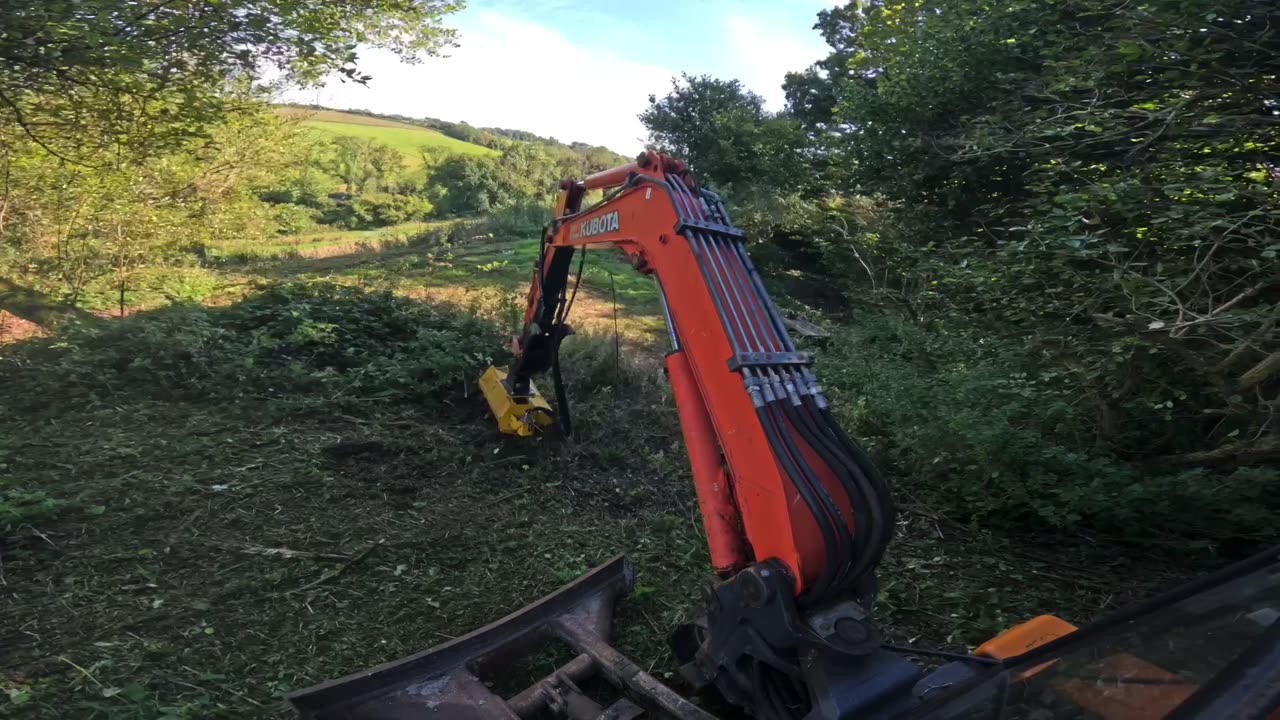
(970, 428)
(287, 340)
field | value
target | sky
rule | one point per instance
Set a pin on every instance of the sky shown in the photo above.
(582, 71)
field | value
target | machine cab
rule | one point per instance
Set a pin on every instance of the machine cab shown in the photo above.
(1210, 649)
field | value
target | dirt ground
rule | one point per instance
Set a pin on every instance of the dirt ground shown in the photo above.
(14, 328)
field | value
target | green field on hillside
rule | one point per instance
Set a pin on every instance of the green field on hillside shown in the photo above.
(351, 118)
(402, 136)
(404, 139)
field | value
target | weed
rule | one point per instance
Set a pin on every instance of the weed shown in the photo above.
(494, 266)
(27, 506)
(993, 440)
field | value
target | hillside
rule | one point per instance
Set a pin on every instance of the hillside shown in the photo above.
(403, 137)
(491, 138)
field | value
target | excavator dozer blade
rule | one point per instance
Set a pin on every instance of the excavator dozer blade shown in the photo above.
(445, 681)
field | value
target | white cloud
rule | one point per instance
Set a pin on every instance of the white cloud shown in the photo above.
(523, 74)
(763, 52)
(515, 74)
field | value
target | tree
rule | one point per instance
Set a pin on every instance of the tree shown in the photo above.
(1092, 179)
(359, 161)
(385, 163)
(347, 160)
(80, 76)
(431, 157)
(595, 159)
(129, 128)
(723, 130)
(527, 172)
(71, 225)
(469, 184)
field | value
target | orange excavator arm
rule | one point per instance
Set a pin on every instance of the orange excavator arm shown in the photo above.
(776, 477)
(796, 516)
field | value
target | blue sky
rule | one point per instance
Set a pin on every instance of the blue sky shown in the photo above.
(580, 70)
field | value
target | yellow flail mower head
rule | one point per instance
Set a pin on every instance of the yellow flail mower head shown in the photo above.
(523, 415)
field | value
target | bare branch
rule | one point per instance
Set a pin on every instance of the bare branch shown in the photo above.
(1261, 450)
(1243, 296)
(1261, 372)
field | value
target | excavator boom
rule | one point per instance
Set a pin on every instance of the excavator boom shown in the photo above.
(777, 479)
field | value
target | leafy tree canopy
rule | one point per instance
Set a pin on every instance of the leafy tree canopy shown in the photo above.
(157, 68)
(725, 132)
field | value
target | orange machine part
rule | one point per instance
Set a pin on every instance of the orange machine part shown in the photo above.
(1025, 637)
(775, 522)
(715, 497)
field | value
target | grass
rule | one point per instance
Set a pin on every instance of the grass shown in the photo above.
(141, 493)
(319, 243)
(143, 594)
(478, 271)
(405, 138)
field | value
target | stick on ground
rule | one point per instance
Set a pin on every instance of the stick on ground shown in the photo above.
(338, 573)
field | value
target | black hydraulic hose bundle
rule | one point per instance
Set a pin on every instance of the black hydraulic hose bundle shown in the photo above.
(789, 405)
(792, 412)
(815, 497)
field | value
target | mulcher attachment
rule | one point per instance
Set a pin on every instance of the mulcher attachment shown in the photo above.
(444, 682)
(525, 414)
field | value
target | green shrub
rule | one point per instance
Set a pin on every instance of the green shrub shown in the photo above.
(290, 339)
(294, 219)
(522, 219)
(981, 433)
(375, 210)
(382, 209)
(466, 184)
